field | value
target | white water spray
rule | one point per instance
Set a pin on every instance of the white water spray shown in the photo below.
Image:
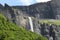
(31, 23)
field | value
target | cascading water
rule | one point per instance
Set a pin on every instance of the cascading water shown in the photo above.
(31, 23)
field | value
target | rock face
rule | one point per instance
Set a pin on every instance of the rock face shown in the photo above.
(50, 31)
(49, 10)
(56, 8)
(39, 10)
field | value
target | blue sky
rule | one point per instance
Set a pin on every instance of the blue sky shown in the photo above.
(21, 2)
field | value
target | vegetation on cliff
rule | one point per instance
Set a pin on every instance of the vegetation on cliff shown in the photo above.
(50, 21)
(10, 31)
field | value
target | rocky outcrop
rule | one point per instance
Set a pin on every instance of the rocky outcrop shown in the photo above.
(49, 30)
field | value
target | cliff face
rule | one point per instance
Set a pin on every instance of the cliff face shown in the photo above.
(39, 10)
(48, 10)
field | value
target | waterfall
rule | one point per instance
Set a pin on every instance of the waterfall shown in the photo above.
(31, 24)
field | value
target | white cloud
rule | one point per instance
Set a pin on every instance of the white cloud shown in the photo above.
(29, 2)
(42, 0)
(26, 2)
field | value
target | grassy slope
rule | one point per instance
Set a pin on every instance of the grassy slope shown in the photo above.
(51, 21)
(9, 31)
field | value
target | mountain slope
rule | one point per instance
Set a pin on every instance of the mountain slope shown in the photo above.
(9, 31)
